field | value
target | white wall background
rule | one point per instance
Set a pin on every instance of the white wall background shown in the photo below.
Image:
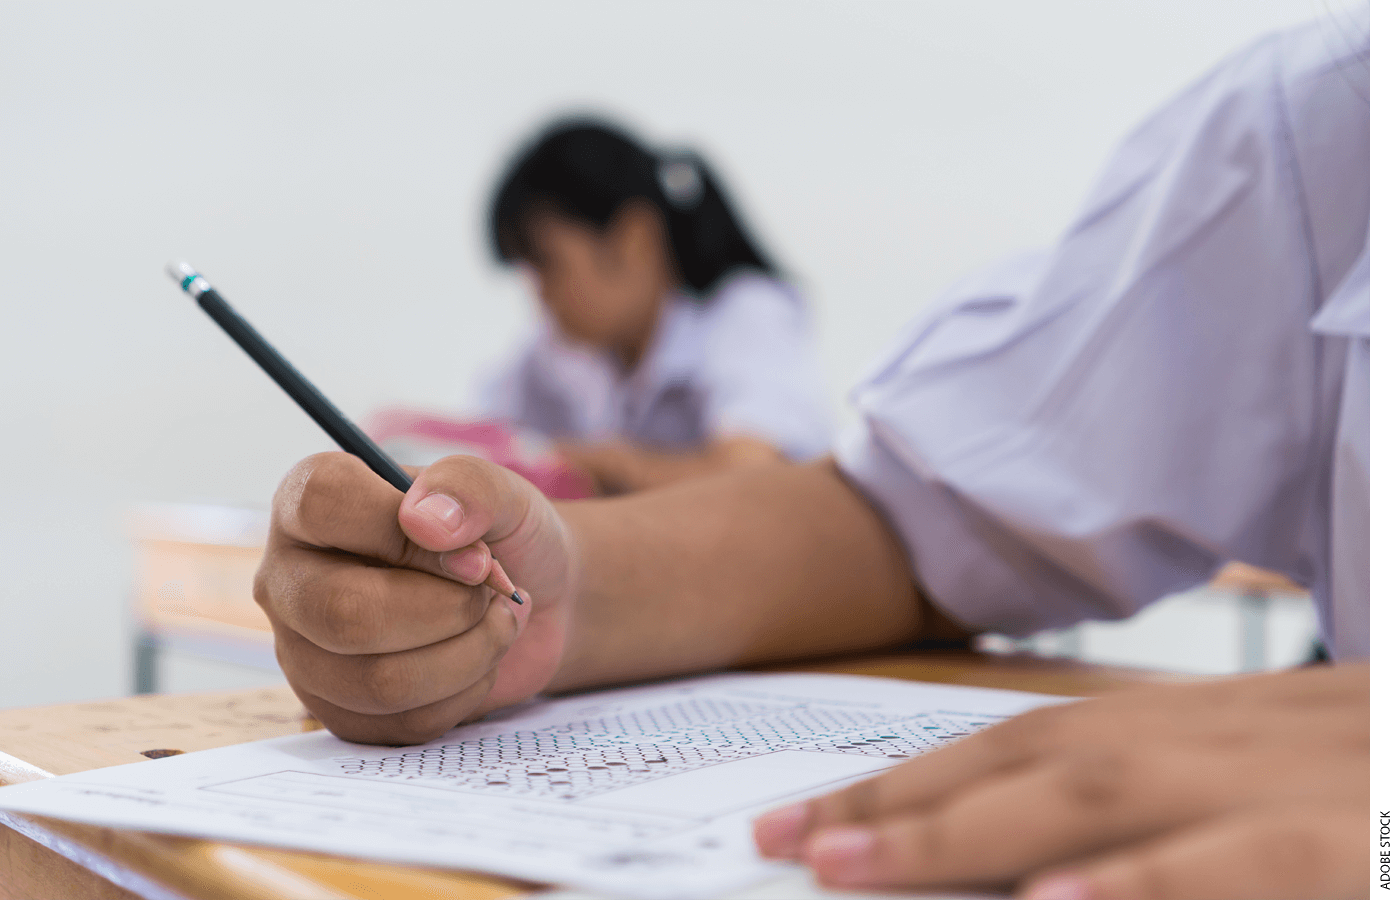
(325, 165)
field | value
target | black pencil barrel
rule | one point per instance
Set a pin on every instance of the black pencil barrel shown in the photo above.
(344, 432)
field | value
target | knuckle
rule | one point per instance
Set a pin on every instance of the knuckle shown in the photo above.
(388, 684)
(282, 585)
(351, 620)
(287, 497)
(912, 848)
(426, 723)
(263, 582)
(856, 803)
(321, 503)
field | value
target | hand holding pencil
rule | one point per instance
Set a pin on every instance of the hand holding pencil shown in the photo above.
(384, 626)
(344, 432)
(385, 593)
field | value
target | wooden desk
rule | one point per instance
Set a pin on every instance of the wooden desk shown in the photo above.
(46, 858)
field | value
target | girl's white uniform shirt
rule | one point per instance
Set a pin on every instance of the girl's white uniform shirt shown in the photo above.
(1182, 380)
(741, 362)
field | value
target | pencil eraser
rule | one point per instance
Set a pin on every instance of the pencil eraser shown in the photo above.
(180, 270)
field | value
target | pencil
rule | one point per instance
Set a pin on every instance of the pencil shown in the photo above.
(344, 432)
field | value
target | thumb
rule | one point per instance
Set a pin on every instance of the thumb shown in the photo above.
(461, 499)
(1303, 853)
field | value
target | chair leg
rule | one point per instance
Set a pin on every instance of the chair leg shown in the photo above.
(146, 652)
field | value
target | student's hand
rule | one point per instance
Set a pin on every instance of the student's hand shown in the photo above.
(383, 625)
(1234, 790)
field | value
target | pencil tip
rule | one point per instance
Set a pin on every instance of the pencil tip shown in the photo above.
(516, 597)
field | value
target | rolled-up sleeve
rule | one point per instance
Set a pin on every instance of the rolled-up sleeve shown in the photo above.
(1075, 433)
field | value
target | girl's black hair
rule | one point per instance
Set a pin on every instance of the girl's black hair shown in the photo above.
(586, 169)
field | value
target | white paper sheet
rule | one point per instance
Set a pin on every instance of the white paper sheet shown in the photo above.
(644, 792)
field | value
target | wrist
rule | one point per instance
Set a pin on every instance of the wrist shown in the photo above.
(583, 532)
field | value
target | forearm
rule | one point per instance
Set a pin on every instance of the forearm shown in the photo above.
(763, 563)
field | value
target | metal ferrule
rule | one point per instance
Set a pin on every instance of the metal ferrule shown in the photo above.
(190, 281)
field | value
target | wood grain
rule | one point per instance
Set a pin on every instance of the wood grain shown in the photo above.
(81, 736)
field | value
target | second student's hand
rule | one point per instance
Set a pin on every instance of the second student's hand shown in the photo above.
(384, 624)
(1233, 790)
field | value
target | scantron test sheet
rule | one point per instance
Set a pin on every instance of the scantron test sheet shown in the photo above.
(644, 792)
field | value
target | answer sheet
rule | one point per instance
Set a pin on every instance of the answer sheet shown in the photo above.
(645, 792)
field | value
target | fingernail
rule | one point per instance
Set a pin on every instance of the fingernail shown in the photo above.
(1058, 887)
(442, 508)
(779, 833)
(842, 855)
(471, 563)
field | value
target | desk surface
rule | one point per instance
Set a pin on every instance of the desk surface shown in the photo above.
(49, 858)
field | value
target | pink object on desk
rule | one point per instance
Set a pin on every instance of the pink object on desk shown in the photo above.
(419, 438)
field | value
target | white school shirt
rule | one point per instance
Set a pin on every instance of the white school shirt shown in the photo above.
(741, 362)
(1181, 381)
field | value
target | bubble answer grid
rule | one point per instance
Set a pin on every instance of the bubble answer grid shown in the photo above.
(696, 760)
(609, 751)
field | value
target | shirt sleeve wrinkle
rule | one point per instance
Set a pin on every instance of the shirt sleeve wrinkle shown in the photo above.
(980, 313)
(1141, 406)
(1325, 117)
(1020, 353)
(1141, 155)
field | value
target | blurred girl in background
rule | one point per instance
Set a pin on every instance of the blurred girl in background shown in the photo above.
(671, 345)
